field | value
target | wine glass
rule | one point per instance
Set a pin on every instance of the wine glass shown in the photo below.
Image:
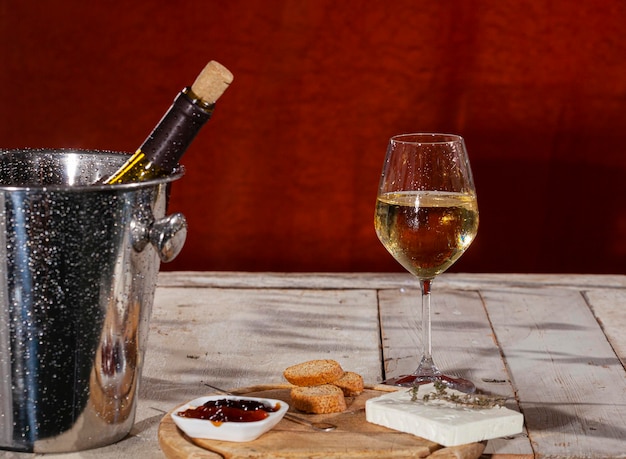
(426, 217)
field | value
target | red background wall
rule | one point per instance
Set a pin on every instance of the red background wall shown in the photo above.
(284, 176)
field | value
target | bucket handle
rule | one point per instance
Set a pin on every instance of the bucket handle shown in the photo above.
(167, 235)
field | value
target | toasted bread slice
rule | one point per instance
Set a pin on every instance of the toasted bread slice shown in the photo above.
(318, 399)
(313, 373)
(350, 383)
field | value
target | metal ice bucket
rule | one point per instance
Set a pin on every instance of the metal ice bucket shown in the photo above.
(78, 269)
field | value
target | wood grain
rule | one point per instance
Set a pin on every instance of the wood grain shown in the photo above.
(240, 337)
(570, 383)
(354, 438)
(608, 308)
(377, 281)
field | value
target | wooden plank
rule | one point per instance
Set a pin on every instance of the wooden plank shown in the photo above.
(571, 281)
(608, 307)
(463, 345)
(316, 281)
(233, 338)
(571, 386)
(226, 279)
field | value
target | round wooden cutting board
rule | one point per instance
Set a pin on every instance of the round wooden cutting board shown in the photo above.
(353, 438)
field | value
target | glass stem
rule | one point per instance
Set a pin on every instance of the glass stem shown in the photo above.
(427, 366)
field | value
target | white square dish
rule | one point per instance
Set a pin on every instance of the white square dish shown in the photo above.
(228, 431)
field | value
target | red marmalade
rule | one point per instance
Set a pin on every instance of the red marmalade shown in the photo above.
(230, 410)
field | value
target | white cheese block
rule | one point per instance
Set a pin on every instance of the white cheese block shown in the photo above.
(443, 422)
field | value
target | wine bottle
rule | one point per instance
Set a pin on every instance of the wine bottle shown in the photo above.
(192, 108)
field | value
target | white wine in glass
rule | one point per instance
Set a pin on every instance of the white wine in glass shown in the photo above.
(426, 217)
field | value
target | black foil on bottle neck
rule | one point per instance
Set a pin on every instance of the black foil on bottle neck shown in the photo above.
(179, 126)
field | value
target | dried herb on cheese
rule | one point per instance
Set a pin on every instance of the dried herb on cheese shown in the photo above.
(475, 401)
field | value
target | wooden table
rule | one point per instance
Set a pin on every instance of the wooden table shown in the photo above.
(555, 343)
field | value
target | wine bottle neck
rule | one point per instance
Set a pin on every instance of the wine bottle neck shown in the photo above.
(206, 106)
(176, 130)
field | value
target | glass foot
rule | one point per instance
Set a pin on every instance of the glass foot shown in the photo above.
(460, 384)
